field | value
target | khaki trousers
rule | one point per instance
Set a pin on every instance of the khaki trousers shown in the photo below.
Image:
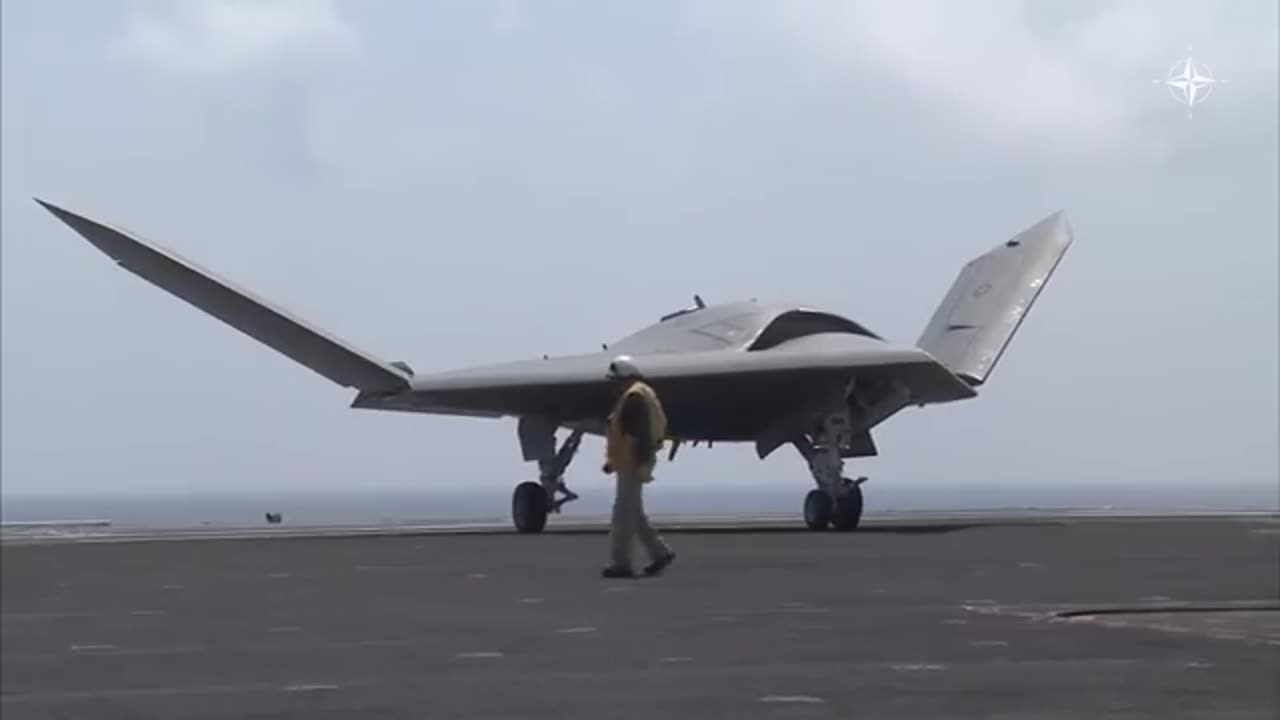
(629, 521)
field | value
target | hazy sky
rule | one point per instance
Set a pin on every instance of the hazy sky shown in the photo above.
(447, 182)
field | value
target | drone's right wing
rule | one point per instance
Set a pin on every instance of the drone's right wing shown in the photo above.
(974, 323)
(326, 355)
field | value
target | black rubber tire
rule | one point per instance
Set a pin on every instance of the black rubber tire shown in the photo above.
(817, 510)
(848, 509)
(529, 507)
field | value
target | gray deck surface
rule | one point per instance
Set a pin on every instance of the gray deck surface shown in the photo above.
(939, 618)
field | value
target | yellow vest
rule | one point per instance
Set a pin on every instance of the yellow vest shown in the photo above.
(618, 453)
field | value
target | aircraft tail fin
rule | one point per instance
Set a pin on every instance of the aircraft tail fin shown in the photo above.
(974, 323)
(272, 326)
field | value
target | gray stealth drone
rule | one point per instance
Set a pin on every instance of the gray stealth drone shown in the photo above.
(736, 372)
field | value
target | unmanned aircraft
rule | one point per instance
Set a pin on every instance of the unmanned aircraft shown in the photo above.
(765, 373)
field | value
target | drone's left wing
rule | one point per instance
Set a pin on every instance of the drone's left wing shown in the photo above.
(270, 325)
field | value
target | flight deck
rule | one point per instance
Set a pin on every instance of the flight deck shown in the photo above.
(1071, 616)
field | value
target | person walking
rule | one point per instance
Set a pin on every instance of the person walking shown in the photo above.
(635, 432)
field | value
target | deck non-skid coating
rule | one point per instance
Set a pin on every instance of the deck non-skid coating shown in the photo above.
(932, 619)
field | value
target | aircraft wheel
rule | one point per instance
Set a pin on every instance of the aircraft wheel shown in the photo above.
(817, 510)
(848, 509)
(529, 507)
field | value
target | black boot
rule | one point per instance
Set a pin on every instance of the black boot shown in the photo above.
(617, 571)
(657, 566)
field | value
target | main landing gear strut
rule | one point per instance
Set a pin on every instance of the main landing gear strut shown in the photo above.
(532, 501)
(837, 501)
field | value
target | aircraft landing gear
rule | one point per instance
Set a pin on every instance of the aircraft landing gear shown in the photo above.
(533, 501)
(842, 513)
(529, 507)
(837, 501)
(817, 509)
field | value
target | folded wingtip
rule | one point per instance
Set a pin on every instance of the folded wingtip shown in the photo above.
(1053, 229)
(59, 212)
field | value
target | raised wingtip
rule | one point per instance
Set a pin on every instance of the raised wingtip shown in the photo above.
(1062, 228)
(77, 222)
(1053, 229)
(61, 213)
(1057, 217)
(110, 240)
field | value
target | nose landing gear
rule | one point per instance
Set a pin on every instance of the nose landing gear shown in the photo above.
(837, 501)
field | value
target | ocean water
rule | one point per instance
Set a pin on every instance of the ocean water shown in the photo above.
(493, 504)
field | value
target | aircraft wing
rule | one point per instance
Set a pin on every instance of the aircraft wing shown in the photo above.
(272, 326)
(575, 387)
